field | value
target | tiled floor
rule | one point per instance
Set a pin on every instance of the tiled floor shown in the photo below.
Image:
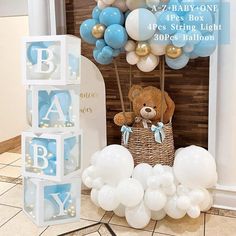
(95, 221)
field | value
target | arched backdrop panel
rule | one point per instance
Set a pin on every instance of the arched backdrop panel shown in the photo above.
(188, 87)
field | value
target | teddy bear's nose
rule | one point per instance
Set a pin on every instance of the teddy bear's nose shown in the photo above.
(148, 110)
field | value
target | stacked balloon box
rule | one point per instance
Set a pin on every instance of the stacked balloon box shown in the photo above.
(52, 148)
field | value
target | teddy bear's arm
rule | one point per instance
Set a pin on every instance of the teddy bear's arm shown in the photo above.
(128, 119)
(170, 108)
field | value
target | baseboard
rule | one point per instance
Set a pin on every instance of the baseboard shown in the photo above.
(224, 197)
(10, 144)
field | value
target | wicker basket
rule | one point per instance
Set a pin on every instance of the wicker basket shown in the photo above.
(145, 149)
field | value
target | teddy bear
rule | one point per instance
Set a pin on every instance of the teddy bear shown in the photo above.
(146, 108)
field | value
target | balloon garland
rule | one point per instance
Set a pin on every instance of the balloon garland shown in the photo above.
(176, 29)
(145, 192)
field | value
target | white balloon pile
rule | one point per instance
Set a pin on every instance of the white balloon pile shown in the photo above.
(145, 192)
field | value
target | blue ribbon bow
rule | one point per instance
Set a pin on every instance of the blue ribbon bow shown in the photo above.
(158, 132)
(126, 130)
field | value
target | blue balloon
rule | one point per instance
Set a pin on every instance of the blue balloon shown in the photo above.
(168, 22)
(198, 20)
(116, 52)
(179, 39)
(51, 169)
(107, 51)
(96, 52)
(188, 48)
(205, 48)
(52, 147)
(175, 6)
(194, 36)
(100, 44)
(103, 60)
(67, 150)
(43, 96)
(71, 141)
(96, 13)
(116, 36)
(48, 190)
(110, 16)
(86, 30)
(64, 98)
(43, 109)
(74, 63)
(32, 53)
(177, 63)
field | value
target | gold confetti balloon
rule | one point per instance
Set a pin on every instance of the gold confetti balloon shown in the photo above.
(98, 31)
(173, 52)
(142, 49)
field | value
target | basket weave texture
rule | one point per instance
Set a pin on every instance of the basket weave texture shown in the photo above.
(145, 149)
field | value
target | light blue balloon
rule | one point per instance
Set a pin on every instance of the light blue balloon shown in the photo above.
(188, 48)
(32, 53)
(205, 48)
(86, 30)
(197, 19)
(96, 13)
(100, 44)
(179, 39)
(103, 60)
(188, 4)
(48, 190)
(116, 36)
(52, 147)
(116, 52)
(64, 98)
(96, 52)
(110, 16)
(43, 96)
(71, 141)
(74, 63)
(107, 51)
(168, 22)
(51, 169)
(175, 6)
(67, 150)
(192, 55)
(177, 63)
(43, 109)
(194, 36)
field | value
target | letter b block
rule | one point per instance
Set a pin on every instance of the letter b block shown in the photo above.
(48, 203)
(53, 108)
(51, 60)
(53, 157)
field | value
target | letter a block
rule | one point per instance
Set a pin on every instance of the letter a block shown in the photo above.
(53, 157)
(51, 60)
(53, 109)
(48, 203)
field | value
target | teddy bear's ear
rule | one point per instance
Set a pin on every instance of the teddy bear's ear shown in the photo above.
(135, 91)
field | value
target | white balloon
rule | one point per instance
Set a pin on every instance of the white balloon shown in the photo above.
(148, 63)
(169, 190)
(207, 202)
(154, 182)
(108, 2)
(120, 211)
(130, 46)
(101, 5)
(172, 210)
(114, 164)
(92, 172)
(94, 197)
(183, 203)
(196, 196)
(195, 167)
(152, 3)
(88, 182)
(158, 47)
(98, 183)
(49, 210)
(178, 151)
(132, 58)
(155, 200)
(130, 192)
(134, 4)
(140, 24)
(158, 169)
(121, 4)
(138, 217)
(167, 179)
(158, 215)
(142, 172)
(194, 212)
(182, 190)
(107, 198)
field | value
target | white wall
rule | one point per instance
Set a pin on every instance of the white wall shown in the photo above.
(12, 92)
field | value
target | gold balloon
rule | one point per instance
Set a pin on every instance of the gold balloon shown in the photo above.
(173, 52)
(98, 31)
(142, 49)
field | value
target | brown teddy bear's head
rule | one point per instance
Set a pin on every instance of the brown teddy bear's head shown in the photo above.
(147, 103)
